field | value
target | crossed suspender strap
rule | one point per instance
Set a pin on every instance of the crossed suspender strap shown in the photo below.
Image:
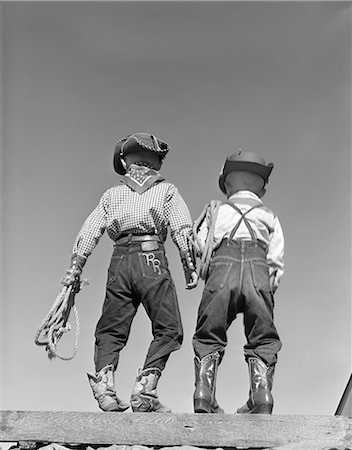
(244, 219)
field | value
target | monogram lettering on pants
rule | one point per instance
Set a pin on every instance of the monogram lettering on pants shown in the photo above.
(152, 260)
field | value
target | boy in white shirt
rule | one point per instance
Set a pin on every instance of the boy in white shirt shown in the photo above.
(245, 245)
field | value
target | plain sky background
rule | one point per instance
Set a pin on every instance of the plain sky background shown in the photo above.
(208, 77)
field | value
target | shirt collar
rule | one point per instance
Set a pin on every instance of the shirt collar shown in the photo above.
(245, 194)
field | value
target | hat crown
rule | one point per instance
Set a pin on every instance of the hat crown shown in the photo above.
(137, 142)
(245, 161)
(144, 140)
(242, 156)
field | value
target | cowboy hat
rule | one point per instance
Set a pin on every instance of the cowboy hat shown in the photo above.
(246, 162)
(137, 142)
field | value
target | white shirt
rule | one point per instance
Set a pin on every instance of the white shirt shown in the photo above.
(264, 223)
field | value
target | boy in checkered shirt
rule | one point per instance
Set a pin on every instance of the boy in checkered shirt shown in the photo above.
(136, 216)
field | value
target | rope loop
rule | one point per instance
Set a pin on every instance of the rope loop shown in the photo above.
(208, 215)
(56, 324)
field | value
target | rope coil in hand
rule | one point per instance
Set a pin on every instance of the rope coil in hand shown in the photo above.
(55, 324)
(209, 215)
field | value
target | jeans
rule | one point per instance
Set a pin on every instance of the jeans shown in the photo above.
(137, 276)
(238, 282)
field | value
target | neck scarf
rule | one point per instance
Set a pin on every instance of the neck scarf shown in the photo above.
(140, 178)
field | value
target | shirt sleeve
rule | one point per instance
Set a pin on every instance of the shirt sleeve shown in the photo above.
(179, 218)
(202, 236)
(92, 229)
(275, 254)
(210, 221)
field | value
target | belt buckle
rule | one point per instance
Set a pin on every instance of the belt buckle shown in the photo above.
(149, 246)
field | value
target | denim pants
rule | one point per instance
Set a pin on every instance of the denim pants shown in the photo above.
(138, 277)
(238, 282)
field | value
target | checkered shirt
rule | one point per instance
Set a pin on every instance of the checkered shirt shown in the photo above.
(122, 210)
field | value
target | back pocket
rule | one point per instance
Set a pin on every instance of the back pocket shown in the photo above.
(218, 275)
(153, 264)
(260, 276)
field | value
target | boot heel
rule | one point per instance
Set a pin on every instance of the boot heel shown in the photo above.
(262, 409)
(201, 406)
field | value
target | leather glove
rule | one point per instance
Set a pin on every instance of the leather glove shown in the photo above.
(189, 270)
(192, 280)
(75, 270)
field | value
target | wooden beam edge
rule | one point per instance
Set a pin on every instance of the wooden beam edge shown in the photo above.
(153, 429)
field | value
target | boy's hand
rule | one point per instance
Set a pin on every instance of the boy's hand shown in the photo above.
(192, 280)
(71, 275)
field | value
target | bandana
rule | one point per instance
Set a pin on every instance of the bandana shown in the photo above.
(140, 178)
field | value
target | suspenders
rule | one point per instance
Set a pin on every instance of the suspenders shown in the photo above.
(244, 219)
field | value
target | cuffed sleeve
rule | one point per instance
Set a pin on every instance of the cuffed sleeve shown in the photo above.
(275, 255)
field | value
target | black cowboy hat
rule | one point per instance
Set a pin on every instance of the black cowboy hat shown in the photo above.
(137, 142)
(246, 162)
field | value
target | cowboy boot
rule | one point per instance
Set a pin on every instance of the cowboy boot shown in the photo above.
(144, 397)
(261, 377)
(103, 388)
(205, 384)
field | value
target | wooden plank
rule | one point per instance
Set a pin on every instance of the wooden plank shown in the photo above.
(152, 429)
(296, 446)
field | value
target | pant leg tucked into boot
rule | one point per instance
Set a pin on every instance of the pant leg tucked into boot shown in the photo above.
(144, 397)
(204, 400)
(104, 392)
(261, 381)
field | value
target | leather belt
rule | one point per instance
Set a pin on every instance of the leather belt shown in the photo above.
(247, 243)
(138, 238)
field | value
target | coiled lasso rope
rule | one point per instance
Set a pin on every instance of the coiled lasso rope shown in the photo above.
(56, 322)
(209, 215)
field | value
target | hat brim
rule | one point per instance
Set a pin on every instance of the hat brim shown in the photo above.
(117, 160)
(245, 166)
(118, 167)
